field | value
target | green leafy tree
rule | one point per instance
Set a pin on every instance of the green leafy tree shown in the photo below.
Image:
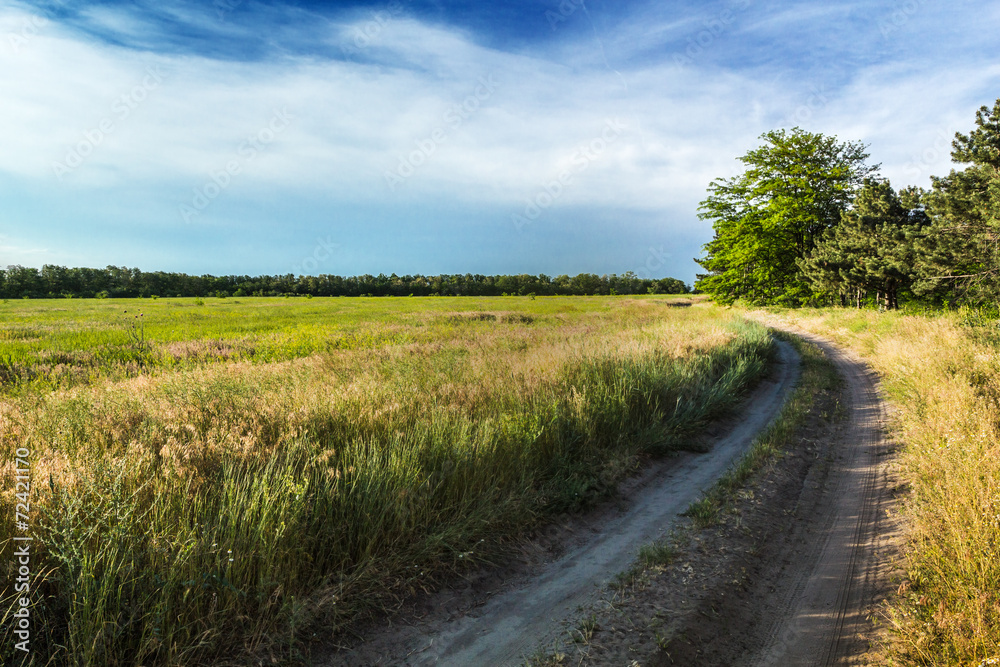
(795, 186)
(959, 258)
(58, 281)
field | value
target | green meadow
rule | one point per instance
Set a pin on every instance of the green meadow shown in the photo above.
(218, 481)
(54, 343)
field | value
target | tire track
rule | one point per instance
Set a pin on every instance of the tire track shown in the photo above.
(820, 616)
(852, 595)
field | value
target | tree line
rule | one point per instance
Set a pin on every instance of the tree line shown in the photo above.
(810, 222)
(116, 282)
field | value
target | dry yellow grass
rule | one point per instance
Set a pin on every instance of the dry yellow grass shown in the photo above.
(944, 377)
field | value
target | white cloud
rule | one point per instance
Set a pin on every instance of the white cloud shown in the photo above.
(351, 121)
(355, 119)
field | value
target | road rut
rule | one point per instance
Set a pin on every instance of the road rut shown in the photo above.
(828, 591)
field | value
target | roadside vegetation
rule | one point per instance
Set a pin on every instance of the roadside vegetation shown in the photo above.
(942, 373)
(818, 376)
(220, 508)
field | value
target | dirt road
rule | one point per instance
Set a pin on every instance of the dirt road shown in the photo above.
(810, 559)
(529, 612)
(818, 613)
(808, 553)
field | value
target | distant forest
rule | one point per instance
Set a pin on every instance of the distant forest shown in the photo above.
(809, 222)
(17, 282)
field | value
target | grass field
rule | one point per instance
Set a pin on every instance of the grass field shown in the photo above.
(218, 482)
(942, 373)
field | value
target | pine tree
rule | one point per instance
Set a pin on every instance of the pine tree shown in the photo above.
(959, 257)
(870, 253)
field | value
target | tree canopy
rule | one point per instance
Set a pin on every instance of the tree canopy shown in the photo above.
(870, 251)
(58, 281)
(769, 218)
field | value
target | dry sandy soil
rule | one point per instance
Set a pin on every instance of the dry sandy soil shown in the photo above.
(789, 577)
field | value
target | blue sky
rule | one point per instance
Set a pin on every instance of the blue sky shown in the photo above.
(422, 136)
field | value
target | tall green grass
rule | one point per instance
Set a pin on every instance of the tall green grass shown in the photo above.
(209, 514)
